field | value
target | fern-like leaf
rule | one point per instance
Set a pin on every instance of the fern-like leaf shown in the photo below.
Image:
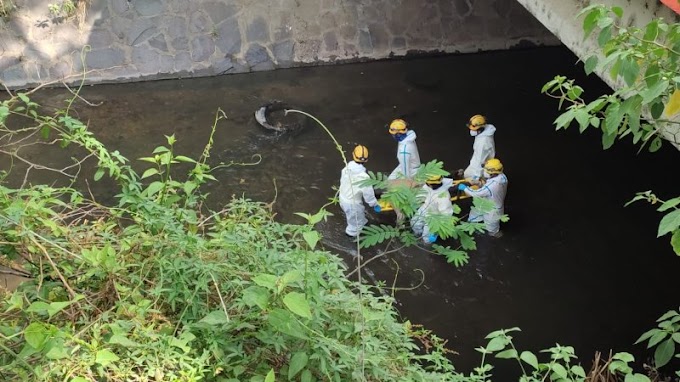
(455, 257)
(376, 234)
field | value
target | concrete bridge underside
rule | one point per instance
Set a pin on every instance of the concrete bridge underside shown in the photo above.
(559, 16)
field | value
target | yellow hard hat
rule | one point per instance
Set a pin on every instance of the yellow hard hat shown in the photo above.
(398, 126)
(360, 154)
(434, 179)
(476, 122)
(493, 166)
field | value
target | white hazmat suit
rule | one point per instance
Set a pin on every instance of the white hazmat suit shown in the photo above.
(494, 189)
(408, 157)
(484, 149)
(351, 194)
(437, 202)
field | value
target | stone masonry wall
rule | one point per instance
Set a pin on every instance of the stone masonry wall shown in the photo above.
(149, 39)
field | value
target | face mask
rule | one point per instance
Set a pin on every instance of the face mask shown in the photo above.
(473, 133)
(399, 137)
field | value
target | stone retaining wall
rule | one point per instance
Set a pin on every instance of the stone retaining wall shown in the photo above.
(149, 39)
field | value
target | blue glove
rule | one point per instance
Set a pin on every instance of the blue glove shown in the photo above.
(377, 208)
(462, 187)
(432, 238)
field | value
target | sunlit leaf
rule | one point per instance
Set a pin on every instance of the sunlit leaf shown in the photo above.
(105, 357)
(529, 358)
(297, 303)
(36, 335)
(669, 223)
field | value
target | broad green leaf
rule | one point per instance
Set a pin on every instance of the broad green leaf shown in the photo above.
(626, 357)
(256, 296)
(590, 64)
(631, 71)
(36, 335)
(270, 376)
(496, 343)
(664, 352)
(655, 144)
(667, 315)
(675, 241)
(652, 75)
(618, 11)
(636, 378)
(38, 307)
(578, 371)
(510, 353)
(669, 204)
(643, 337)
(613, 118)
(676, 337)
(216, 317)
(121, 339)
(267, 281)
(651, 93)
(604, 36)
(54, 349)
(160, 149)
(529, 358)
(311, 238)
(559, 370)
(589, 23)
(608, 140)
(306, 376)
(284, 322)
(297, 303)
(656, 338)
(149, 172)
(105, 357)
(297, 363)
(669, 223)
(56, 307)
(652, 30)
(291, 277)
(154, 187)
(657, 109)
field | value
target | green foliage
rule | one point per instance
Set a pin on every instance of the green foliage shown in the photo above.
(670, 223)
(6, 8)
(158, 287)
(663, 338)
(407, 198)
(644, 62)
(64, 8)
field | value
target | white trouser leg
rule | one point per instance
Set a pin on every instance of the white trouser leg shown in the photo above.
(356, 217)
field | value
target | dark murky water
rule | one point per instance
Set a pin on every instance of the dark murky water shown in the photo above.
(574, 266)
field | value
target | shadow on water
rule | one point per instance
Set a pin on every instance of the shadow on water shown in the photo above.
(574, 265)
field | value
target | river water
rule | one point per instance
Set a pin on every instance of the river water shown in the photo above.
(574, 265)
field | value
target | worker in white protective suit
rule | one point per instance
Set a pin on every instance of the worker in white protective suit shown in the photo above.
(407, 151)
(484, 147)
(351, 193)
(494, 189)
(437, 201)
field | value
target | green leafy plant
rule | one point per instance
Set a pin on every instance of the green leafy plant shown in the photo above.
(644, 63)
(407, 199)
(159, 287)
(6, 8)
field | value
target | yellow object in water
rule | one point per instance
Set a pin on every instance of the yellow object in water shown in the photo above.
(386, 206)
